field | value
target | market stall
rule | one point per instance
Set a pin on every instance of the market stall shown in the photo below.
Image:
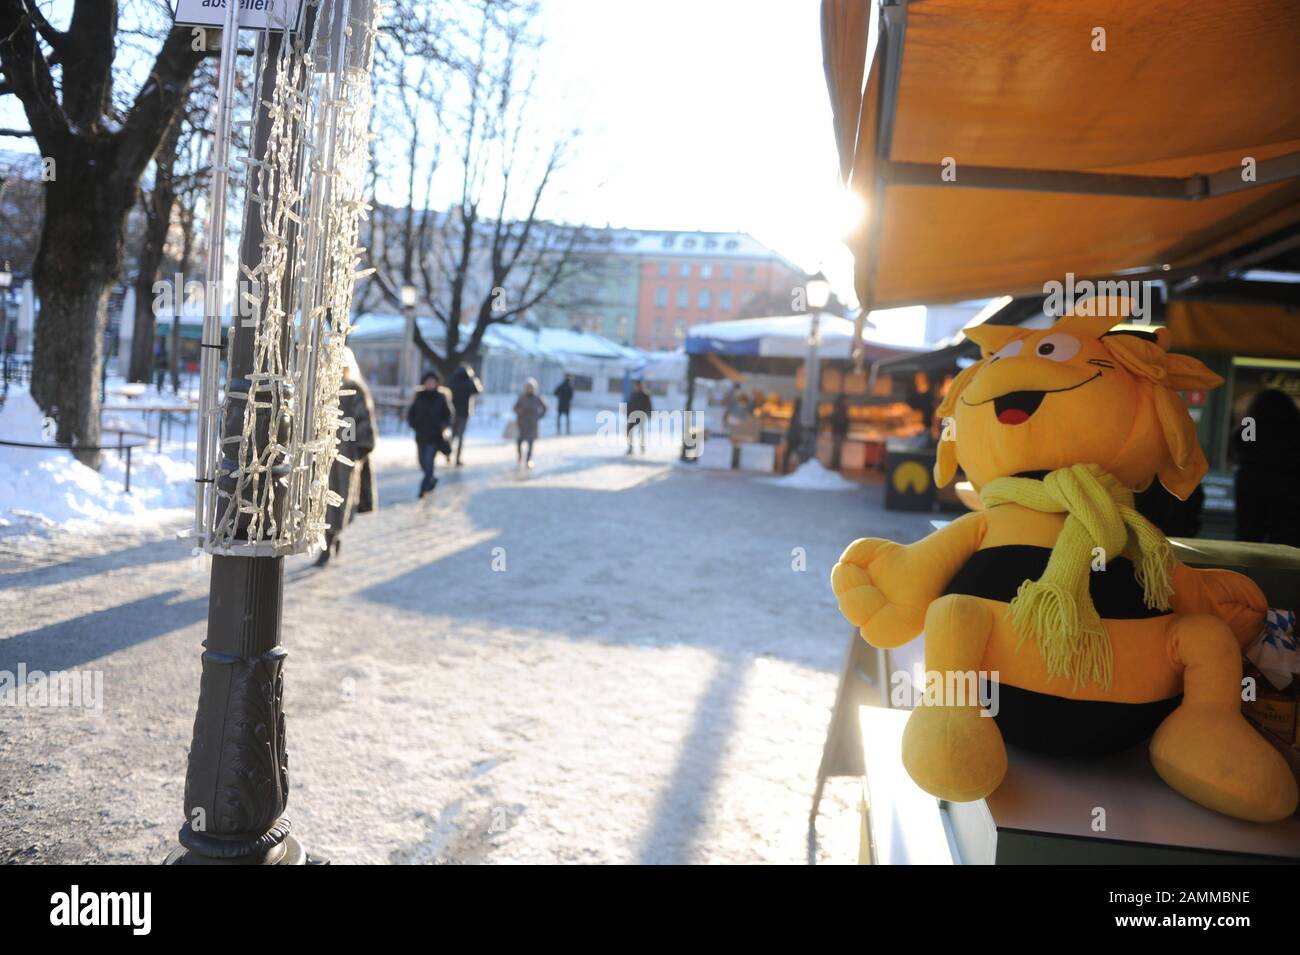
(764, 360)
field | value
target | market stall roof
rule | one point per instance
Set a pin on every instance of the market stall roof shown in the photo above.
(1000, 144)
(782, 336)
(662, 366)
(558, 344)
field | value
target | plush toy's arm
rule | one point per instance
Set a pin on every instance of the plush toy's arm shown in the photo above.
(1232, 597)
(885, 588)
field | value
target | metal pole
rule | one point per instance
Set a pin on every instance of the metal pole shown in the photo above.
(811, 392)
(237, 784)
(408, 344)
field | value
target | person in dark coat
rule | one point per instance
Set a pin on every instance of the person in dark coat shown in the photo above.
(431, 415)
(1266, 446)
(839, 429)
(160, 363)
(530, 409)
(464, 386)
(563, 401)
(639, 407)
(354, 482)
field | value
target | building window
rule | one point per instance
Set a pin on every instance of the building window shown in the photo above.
(683, 296)
(684, 270)
(679, 330)
(659, 329)
(728, 272)
(724, 299)
(705, 299)
(663, 270)
(706, 271)
(621, 327)
(661, 296)
(749, 272)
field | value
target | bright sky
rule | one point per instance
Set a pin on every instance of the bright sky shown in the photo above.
(700, 114)
(696, 114)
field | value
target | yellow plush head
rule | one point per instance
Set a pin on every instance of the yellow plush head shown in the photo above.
(1038, 400)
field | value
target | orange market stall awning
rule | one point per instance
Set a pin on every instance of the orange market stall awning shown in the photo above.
(1001, 144)
(1235, 328)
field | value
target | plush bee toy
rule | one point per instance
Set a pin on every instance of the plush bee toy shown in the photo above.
(1067, 601)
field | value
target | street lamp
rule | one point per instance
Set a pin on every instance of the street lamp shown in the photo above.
(408, 341)
(7, 342)
(817, 292)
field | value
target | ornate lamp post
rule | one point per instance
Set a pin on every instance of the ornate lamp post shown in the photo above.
(264, 452)
(6, 340)
(405, 378)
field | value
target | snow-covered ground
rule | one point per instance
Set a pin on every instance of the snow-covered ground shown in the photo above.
(44, 490)
(608, 659)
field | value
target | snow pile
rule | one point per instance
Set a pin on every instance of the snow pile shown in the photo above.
(48, 489)
(811, 476)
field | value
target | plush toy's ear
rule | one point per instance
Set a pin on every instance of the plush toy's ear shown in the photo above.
(1148, 359)
(1186, 464)
(992, 337)
(1187, 374)
(949, 402)
(945, 463)
(945, 460)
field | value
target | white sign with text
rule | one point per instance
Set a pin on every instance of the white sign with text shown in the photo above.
(253, 14)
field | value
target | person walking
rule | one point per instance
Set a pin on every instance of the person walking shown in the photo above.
(160, 364)
(431, 414)
(530, 409)
(639, 407)
(464, 386)
(839, 429)
(355, 482)
(563, 401)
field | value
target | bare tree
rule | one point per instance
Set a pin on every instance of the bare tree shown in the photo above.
(491, 256)
(181, 175)
(99, 147)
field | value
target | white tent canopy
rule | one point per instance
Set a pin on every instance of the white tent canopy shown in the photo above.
(777, 336)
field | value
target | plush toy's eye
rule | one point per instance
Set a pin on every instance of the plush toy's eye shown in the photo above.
(1058, 347)
(1007, 350)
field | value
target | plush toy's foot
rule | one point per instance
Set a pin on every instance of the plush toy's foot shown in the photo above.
(1213, 756)
(954, 752)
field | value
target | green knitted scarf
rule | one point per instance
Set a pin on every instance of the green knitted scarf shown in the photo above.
(1056, 610)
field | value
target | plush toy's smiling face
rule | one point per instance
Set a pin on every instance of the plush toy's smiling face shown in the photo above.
(1046, 399)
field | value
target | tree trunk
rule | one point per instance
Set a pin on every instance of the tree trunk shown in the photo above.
(151, 257)
(158, 220)
(79, 256)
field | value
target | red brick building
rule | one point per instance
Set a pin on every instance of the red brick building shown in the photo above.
(688, 278)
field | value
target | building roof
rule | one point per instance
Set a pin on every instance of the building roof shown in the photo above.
(559, 344)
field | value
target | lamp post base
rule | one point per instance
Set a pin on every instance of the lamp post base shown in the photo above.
(288, 852)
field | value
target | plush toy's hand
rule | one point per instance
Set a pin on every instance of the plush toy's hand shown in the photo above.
(869, 583)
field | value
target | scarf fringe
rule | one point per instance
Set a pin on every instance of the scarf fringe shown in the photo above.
(1056, 611)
